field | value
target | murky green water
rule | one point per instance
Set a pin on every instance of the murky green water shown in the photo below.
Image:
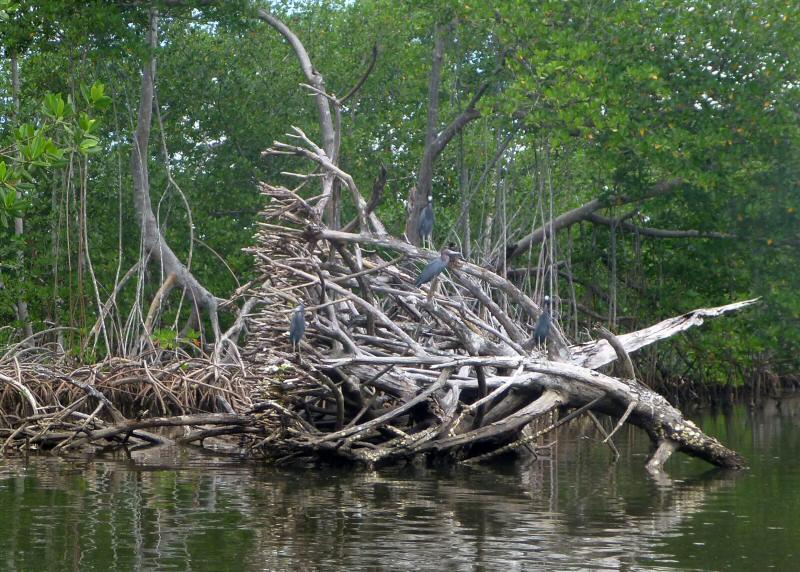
(168, 509)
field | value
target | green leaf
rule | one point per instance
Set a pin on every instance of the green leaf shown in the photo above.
(85, 93)
(102, 103)
(9, 200)
(89, 144)
(85, 122)
(98, 91)
(25, 131)
(53, 105)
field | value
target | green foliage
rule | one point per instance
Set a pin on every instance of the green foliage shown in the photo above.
(39, 147)
(6, 8)
(166, 339)
(603, 100)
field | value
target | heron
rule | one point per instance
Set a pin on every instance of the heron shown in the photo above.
(435, 267)
(542, 328)
(426, 221)
(297, 327)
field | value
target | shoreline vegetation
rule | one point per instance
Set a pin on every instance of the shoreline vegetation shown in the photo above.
(538, 215)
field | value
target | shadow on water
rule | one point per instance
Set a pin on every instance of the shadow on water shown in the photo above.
(174, 509)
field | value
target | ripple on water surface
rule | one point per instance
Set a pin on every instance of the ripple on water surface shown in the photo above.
(176, 509)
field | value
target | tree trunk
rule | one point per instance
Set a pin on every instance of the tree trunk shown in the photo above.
(155, 245)
(435, 141)
(22, 305)
(418, 195)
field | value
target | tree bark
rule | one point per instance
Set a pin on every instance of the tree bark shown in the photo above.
(326, 126)
(578, 214)
(22, 305)
(418, 195)
(155, 245)
(435, 144)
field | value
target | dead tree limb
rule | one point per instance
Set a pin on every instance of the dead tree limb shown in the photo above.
(435, 139)
(582, 213)
(326, 156)
(622, 355)
(314, 78)
(155, 246)
(655, 232)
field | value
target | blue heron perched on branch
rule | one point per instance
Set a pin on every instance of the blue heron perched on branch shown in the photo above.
(297, 327)
(542, 328)
(435, 267)
(426, 221)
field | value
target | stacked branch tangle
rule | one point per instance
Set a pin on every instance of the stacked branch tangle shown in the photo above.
(388, 371)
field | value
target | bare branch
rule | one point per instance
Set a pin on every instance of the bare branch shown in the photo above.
(375, 199)
(313, 77)
(577, 215)
(158, 300)
(153, 241)
(656, 232)
(364, 77)
(435, 144)
(622, 354)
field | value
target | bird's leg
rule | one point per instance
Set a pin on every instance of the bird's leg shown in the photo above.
(432, 291)
(428, 299)
(546, 349)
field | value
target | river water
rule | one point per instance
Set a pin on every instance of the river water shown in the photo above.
(178, 509)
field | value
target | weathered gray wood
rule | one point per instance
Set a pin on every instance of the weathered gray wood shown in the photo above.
(155, 246)
(646, 409)
(382, 334)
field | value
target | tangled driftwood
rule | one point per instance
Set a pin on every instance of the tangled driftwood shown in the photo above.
(44, 405)
(389, 371)
(393, 372)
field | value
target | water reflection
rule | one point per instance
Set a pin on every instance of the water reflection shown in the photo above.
(174, 509)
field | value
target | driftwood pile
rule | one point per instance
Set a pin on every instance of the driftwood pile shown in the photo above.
(389, 371)
(386, 372)
(47, 404)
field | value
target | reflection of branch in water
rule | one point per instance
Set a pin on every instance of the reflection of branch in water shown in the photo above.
(167, 506)
(669, 504)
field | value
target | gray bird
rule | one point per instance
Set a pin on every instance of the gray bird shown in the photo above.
(426, 221)
(297, 327)
(542, 328)
(435, 267)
